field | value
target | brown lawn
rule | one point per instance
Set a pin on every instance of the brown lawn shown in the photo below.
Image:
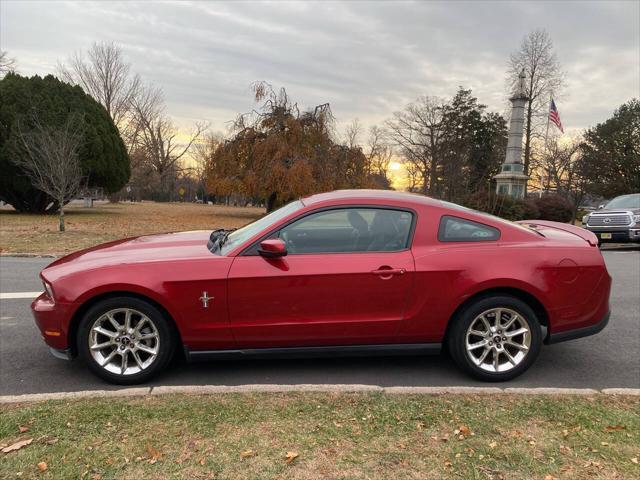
(38, 234)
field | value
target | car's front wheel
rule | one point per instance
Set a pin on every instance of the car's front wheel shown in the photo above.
(125, 340)
(495, 338)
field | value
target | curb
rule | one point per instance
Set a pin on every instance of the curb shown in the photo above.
(321, 388)
(29, 255)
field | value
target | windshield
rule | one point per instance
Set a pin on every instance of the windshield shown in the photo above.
(625, 201)
(238, 237)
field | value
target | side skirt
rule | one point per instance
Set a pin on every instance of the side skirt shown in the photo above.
(316, 352)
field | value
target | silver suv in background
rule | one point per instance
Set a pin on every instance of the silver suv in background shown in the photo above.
(617, 221)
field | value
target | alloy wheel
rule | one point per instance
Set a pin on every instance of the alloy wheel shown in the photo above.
(498, 340)
(124, 341)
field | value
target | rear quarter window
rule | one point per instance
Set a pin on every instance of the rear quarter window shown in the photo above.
(455, 229)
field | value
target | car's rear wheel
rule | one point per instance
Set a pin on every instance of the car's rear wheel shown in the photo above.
(125, 340)
(495, 338)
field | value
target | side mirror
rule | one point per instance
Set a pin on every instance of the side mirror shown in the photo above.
(601, 206)
(273, 248)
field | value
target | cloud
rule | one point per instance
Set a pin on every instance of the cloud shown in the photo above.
(366, 59)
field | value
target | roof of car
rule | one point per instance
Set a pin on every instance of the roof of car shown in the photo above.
(368, 195)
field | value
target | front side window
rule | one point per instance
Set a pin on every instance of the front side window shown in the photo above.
(349, 230)
(243, 234)
(454, 229)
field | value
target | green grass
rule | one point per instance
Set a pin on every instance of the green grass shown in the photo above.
(377, 436)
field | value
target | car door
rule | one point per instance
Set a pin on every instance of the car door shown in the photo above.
(345, 280)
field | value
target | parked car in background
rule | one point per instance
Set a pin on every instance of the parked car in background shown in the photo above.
(616, 221)
(352, 272)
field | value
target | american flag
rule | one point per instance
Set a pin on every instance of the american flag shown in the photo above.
(554, 116)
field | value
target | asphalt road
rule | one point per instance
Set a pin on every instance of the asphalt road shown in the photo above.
(610, 359)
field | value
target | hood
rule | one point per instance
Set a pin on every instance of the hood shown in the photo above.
(634, 211)
(148, 248)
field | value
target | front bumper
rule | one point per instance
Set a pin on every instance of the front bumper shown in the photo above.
(65, 354)
(578, 332)
(53, 318)
(616, 236)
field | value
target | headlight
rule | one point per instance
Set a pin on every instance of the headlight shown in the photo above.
(585, 219)
(48, 289)
(636, 218)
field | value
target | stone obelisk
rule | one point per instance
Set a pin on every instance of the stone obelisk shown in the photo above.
(511, 180)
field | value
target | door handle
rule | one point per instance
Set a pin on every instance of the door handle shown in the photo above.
(388, 272)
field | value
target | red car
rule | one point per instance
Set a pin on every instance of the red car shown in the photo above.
(343, 273)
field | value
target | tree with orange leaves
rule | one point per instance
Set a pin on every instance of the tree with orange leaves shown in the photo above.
(278, 153)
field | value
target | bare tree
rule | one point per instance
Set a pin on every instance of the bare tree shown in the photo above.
(7, 64)
(52, 161)
(144, 108)
(203, 153)
(544, 78)
(561, 171)
(106, 76)
(352, 133)
(162, 148)
(417, 132)
(379, 154)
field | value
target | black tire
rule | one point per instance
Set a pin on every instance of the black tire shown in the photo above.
(165, 345)
(456, 340)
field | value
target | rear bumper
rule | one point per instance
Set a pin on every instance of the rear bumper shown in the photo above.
(578, 332)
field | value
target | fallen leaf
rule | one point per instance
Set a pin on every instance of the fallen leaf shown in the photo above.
(634, 460)
(42, 466)
(448, 464)
(613, 428)
(290, 457)
(155, 454)
(23, 429)
(248, 453)
(604, 444)
(550, 477)
(466, 431)
(17, 445)
(493, 444)
(202, 461)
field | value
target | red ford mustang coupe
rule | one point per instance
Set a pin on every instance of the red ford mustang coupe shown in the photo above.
(352, 272)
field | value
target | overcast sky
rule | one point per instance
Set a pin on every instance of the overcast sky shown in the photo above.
(367, 59)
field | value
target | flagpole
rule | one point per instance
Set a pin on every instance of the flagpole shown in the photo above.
(546, 135)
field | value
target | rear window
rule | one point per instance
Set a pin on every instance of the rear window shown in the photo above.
(454, 229)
